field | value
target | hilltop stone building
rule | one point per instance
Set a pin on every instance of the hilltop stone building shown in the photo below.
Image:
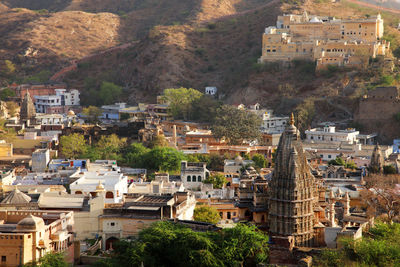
(326, 40)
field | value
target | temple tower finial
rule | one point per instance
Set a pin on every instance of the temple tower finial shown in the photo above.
(291, 122)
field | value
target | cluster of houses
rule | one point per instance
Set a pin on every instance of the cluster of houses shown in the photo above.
(48, 203)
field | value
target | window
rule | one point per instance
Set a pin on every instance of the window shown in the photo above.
(194, 178)
(3, 258)
(329, 156)
(112, 224)
(188, 178)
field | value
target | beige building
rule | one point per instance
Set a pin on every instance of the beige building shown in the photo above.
(326, 40)
(27, 235)
(139, 211)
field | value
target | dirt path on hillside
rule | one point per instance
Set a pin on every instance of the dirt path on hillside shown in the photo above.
(396, 11)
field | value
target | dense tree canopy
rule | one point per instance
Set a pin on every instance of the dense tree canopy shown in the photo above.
(164, 159)
(134, 155)
(259, 160)
(73, 146)
(92, 113)
(215, 162)
(181, 101)
(236, 125)
(109, 146)
(50, 260)
(168, 244)
(109, 92)
(6, 93)
(158, 158)
(206, 214)
(378, 247)
(217, 180)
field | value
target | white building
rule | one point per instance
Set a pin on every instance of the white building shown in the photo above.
(193, 174)
(211, 90)
(234, 166)
(114, 182)
(273, 124)
(62, 98)
(328, 134)
(111, 112)
(40, 160)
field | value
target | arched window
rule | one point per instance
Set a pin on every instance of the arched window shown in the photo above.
(78, 192)
(199, 178)
(194, 178)
(188, 178)
(109, 194)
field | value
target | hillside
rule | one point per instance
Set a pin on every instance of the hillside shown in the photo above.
(192, 43)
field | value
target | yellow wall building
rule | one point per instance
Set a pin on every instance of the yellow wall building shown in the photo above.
(6, 149)
(326, 40)
(27, 235)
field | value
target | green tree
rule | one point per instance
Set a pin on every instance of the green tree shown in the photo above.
(158, 140)
(8, 68)
(92, 113)
(50, 260)
(204, 109)
(378, 247)
(6, 93)
(216, 162)
(180, 101)
(351, 165)
(40, 77)
(11, 108)
(109, 146)
(73, 146)
(386, 80)
(305, 113)
(259, 160)
(339, 161)
(164, 159)
(168, 244)
(109, 92)
(217, 180)
(206, 214)
(389, 169)
(243, 245)
(199, 158)
(236, 125)
(134, 155)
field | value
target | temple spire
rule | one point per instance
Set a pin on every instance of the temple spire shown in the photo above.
(291, 122)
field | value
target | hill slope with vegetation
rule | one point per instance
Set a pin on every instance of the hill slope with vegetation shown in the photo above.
(194, 43)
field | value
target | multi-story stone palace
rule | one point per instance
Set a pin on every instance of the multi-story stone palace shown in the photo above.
(326, 40)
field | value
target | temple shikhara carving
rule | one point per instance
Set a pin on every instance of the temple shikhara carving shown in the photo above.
(292, 196)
